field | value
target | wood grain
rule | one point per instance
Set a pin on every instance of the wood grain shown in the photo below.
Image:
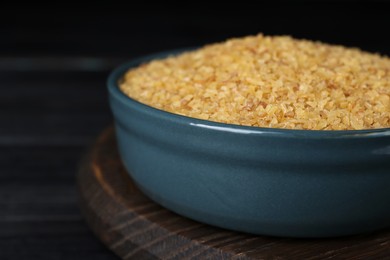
(134, 227)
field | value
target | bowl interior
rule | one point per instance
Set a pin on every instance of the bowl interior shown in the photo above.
(117, 74)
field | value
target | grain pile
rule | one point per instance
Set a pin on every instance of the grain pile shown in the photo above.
(263, 81)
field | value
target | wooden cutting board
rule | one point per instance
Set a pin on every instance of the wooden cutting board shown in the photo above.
(134, 227)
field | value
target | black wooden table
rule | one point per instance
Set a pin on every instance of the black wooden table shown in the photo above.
(53, 102)
(50, 110)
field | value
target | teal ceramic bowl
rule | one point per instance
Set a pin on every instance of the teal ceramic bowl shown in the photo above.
(279, 182)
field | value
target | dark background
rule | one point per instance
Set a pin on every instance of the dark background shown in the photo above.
(54, 61)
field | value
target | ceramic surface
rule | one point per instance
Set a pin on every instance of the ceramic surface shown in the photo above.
(295, 183)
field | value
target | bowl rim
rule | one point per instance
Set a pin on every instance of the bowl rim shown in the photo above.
(114, 91)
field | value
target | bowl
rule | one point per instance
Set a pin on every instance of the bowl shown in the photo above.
(279, 182)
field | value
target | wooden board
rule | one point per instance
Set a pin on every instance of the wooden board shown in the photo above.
(134, 227)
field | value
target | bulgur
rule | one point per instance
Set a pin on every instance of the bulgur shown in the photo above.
(265, 81)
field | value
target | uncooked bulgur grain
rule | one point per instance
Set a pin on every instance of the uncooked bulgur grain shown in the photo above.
(264, 81)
